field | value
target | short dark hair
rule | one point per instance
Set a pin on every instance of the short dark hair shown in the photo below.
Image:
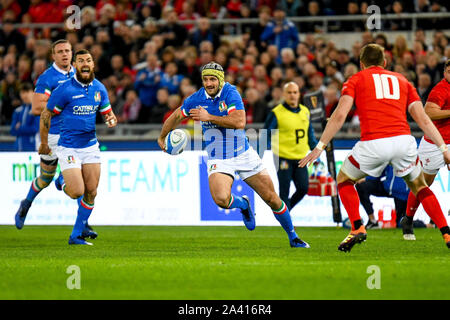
(26, 86)
(79, 52)
(372, 55)
(54, 44)
(447, 64)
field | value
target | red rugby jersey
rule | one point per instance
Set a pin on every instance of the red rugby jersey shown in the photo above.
(381, 98)
(440, 95)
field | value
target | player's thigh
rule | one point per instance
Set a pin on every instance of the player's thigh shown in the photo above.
(91, 176)
(73, 179)
(220, 187)
(263, 186)
(416, 184)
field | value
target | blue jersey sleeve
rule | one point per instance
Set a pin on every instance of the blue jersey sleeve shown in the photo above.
(43, 85)
(234, 101)
(57, 100)
(105, 105)
(188, 104)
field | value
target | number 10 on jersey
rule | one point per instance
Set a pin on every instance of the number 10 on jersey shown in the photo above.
(386, 89)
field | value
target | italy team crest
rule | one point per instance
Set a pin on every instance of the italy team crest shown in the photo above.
(97, 96)
(222, 106)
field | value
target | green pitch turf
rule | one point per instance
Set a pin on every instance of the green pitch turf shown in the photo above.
(220, 263)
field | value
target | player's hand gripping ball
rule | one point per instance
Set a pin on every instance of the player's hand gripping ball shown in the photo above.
(176, 141)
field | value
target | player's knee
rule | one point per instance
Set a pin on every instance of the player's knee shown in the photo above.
(90, 195)
(74, 192)
(222, 200)
(45, 179)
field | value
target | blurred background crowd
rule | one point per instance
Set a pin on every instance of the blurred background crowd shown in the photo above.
(150, 62)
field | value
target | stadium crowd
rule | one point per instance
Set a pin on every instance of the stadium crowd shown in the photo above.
(149, 62)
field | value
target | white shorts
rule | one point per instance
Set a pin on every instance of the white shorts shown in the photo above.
(246, 164)
(371, 157)
(70, 158)
(431, 157)
(53, 144)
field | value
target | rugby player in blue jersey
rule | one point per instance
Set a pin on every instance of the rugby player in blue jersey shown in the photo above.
(76, 103)
(219, 107)
(60, 71)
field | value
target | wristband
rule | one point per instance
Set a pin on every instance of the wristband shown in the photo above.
(443, 148)
(321, 146)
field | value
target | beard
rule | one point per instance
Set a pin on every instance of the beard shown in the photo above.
(85, 80)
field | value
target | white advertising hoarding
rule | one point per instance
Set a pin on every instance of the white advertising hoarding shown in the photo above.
(154, 188)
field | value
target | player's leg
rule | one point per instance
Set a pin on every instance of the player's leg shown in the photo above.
(418, 186)
(221, 176)
(285, 174)
(48, 166)
(348, 175)
(91, 176)
(365, 189)
(301, 181)
(263, 186)
(47, 172)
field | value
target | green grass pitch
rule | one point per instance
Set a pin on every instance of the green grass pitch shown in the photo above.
(179, 263)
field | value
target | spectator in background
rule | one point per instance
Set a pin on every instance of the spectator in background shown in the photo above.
(314, 10)
(276, 97)
(147, 85)
(171, 79)
(131, 108)
(173, 33)
(24, 68)
(292, 7)
(203, 32)
(174, 102)
(25, 125)
(189, 14)
(332, 73)
(9, 36)
(398, 24)
(258, 29)
(353, 25)
(10, 97)
(281, 32)
(255, 107)
(433, 67)
(424, 86)
(161, 107)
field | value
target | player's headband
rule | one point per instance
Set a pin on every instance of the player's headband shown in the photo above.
(215, 70)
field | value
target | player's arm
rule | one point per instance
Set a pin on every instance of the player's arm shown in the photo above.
(234, 120)
(435, 112)
(38, 103)
(171, 123)
(335, 123)
(424, 122)
(44, 128)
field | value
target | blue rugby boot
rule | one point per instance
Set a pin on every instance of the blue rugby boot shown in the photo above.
(78, 240)
(248, 216)
(22, 213)
(298, 243)
(88, 232)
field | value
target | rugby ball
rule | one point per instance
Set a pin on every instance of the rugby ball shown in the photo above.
(176, 141)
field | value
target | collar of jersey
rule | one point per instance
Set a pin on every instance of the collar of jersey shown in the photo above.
(295, 110)
(82, 84)
(61, 70)
(217, 95)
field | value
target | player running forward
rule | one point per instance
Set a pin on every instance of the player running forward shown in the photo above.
(219, 107)
(381, 98)
(76, 102)
(430, 155)
(60, 71)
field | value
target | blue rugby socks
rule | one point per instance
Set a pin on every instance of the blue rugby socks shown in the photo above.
(284, 218)
(237, 202)
(84, 211)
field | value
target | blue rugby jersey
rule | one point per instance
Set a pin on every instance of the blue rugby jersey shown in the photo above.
(220, 142)
(77, 105)
(49, 81)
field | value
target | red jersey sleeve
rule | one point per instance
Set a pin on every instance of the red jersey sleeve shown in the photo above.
(437, 95)
(349, 87)
(412, 94)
